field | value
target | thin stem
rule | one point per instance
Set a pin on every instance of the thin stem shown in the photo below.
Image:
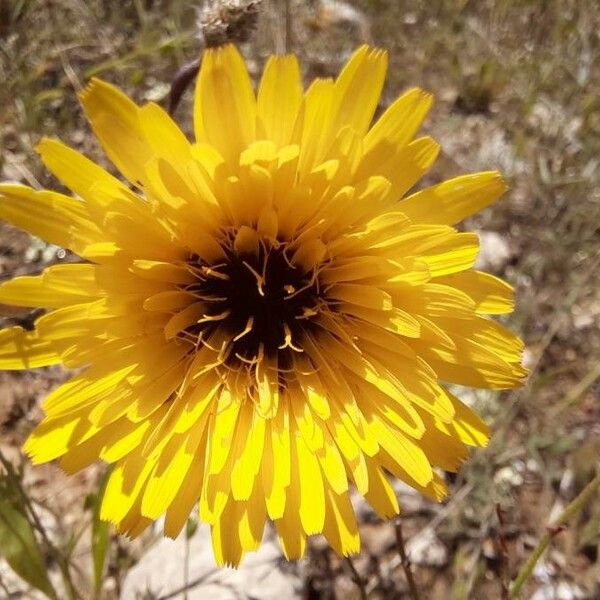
(573, 509)
(405, 562)
(357, 579)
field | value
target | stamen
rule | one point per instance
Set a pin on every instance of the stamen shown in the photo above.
(259, 278)
(224, 351)
(206, 344)
(219, 317)
(246, 329)
(208, 297)
(211, 272)
(307, 313)
(287, 343)
(248, 361)
(299, 291)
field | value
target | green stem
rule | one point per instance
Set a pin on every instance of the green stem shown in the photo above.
(573, 509)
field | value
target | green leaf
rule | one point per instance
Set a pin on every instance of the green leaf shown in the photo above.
(20, 548)
(100, 536)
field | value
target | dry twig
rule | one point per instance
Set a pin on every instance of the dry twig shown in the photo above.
(405, 561)
(357, 579)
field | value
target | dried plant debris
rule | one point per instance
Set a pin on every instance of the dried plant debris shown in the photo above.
(220, 22)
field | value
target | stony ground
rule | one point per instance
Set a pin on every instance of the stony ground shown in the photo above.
(518, 89)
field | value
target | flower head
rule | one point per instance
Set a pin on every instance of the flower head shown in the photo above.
(261, 317)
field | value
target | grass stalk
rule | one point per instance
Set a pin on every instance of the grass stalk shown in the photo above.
(572, 510)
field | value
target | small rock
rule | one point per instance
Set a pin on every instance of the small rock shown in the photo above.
(489, 549)
(508, 476)
(544, 571)
(427, 550)
(562, 590)
(343, 16)
(494, 251)
(262, 574)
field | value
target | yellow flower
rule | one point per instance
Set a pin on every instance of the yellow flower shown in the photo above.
(263, 321)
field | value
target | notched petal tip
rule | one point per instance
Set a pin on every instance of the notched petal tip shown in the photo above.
(90, 88)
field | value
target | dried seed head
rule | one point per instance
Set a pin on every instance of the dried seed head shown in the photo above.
(223, 21)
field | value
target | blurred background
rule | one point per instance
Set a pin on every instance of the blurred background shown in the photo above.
(517, 86)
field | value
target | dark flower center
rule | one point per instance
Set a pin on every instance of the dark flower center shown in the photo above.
(263, 302)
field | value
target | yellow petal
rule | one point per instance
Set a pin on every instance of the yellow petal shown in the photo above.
(289, 526)
(225, 102)
(248, 447)
(58, 286)
(125, 438)
(170, 471)
(54, 436)
(84, 390)
(468, 424)
(53, 217)
(491, 295)
(20, 349)
(252, 525)
(474, 366)
(487, 333)
(443, 449)
(332, 464)
(179, 511)
(435, 300)
(125, 486)
(340, 527)
(357, 90)
(115, 121)
(226, 541)
(361, 295)
(162, 134)
(162, 271)
(400, 122)
(381, 495)
(416, 158)
(76, 171)
(407, 455)
(158, 391)
(456, 253)
(454, 200)
(276, 470)
(310, 478)
(279, 99)
(317, 108)
(168, 301)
